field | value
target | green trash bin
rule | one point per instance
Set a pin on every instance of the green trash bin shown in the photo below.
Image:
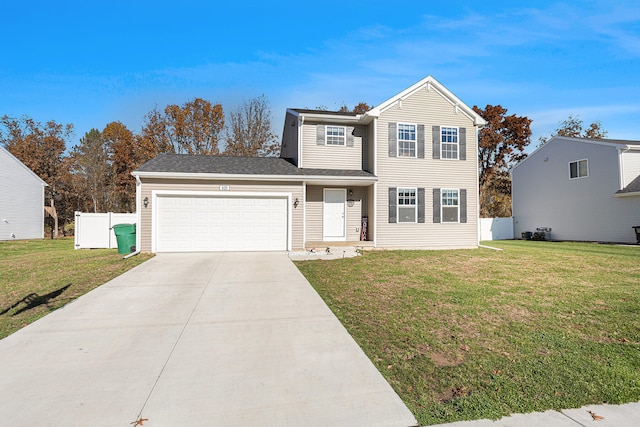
(126, 237)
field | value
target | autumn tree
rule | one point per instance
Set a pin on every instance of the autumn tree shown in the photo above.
(250, 132)
(193, 128)
(127, 151)
(573, 126)
(360, 108)
(501, 144)
(92, 163)
(41, 147)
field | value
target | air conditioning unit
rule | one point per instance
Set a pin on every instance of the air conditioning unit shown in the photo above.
(542, 233)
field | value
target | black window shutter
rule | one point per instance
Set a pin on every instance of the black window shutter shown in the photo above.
(463, 205)
(421, 205)
(393, 140)
(393, 204)
(462, 143)
(421, 141)
(436, 142)
(349, 131)
(436, 205)
(320, 133)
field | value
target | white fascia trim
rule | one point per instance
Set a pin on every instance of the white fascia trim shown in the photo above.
(333, 118)
(233, 177)
(164, 193)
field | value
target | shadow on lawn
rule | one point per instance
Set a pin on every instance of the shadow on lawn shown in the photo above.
(34, 300)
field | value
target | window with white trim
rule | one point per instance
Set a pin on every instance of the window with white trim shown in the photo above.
(407, 205)
(406, 140)
(579, 169)
(449, 142)
(450, 205)
(335, 135)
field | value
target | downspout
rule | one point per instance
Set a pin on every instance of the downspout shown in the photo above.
(304, 214)
(477, 128)
(300, 142)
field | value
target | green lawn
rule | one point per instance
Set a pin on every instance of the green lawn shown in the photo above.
(471, 334)
(39, 276)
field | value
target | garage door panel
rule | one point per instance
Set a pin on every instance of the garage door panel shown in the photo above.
(191, 223)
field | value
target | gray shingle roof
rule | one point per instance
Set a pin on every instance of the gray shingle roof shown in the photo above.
(633, 187)
(228, 165)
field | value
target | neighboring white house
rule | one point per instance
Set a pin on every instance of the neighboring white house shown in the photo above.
(583, 189)
(21, 200)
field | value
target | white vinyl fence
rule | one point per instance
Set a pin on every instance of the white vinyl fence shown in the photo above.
(496, 228)
(94, 230)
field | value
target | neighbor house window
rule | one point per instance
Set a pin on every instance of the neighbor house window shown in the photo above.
(407, 205)
(406, 140)
(450, 205)
(579, 169)
(335, 135)
(449, 142)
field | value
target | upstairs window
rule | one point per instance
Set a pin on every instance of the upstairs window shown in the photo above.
(450, 206)
(407, 205)
(449, 142)
(406, 140)
(335, 135)
(579, 169)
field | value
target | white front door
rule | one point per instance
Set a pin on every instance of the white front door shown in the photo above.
(333, 215)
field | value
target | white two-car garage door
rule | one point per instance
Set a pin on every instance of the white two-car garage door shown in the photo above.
(206, 223)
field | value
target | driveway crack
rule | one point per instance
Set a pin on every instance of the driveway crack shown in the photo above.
(175, 344)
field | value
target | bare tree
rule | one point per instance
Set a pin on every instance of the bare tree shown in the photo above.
(250, 133)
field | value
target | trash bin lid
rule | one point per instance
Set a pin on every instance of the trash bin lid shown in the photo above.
(124, 229)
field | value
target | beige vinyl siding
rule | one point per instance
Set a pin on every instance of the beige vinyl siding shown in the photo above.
(430, 109)
(314, 213)
(150, 185)
(289, 147)
(369, 154)
(331, 156)
(353, 214)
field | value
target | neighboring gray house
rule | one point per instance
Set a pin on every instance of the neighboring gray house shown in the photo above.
(21, 200)
(583, 189)
(402, 175)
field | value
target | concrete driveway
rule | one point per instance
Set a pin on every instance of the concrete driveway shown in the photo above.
(216, 339)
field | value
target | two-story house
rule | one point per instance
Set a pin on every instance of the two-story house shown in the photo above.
(583, 189)
(402, 175)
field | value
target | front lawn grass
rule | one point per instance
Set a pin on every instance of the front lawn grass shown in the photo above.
(469, 334)
(39, 276)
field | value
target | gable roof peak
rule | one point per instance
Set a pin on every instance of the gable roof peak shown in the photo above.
(430, 84)
(23, 166)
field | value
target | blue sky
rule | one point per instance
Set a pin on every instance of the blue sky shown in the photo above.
(93, 62)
